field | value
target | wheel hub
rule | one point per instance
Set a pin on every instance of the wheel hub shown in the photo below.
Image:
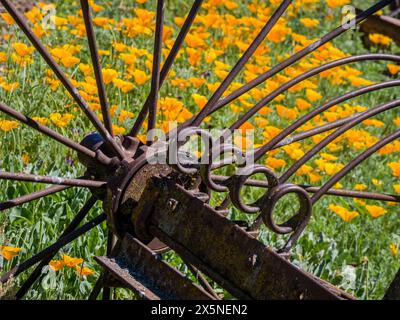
(126, 183)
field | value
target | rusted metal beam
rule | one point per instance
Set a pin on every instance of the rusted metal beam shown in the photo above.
(144, 272)
(133, 281)
(222, 250)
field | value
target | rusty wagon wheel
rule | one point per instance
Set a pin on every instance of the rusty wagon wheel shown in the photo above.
(150, 208)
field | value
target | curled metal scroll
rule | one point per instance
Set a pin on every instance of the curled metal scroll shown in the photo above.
(238, 181)
(234, 184)
(215, 153)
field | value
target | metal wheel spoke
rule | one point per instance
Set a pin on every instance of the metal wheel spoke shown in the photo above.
(354, 163)
(283, 137)
(71, 227)
(307, 134)
(330, 65)
(356, 194)
(31, 197)
(96, 65)
(51, 180)
(242, 61)
(331, 192)
(53, 248)
(318, 147)
(337, 177)
(202, 280)
(179, 40)
(168, 63)
(155, 78)
(97, 288)
(288, 62)
(52, 134)
(19, 19)
(111, 240)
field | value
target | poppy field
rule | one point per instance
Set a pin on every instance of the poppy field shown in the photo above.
(352, 243)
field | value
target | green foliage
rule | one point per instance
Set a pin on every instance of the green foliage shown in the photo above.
(352, 255)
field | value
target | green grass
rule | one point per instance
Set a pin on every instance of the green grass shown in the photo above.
(352, 255)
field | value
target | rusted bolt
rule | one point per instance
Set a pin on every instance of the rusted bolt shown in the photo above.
(254, 260)
(171, 204)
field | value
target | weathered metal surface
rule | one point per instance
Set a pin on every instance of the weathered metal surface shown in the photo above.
(139, 268)
(111, 282)
(393, 293)
(130, 279)
(125, 189)
(227, 254)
